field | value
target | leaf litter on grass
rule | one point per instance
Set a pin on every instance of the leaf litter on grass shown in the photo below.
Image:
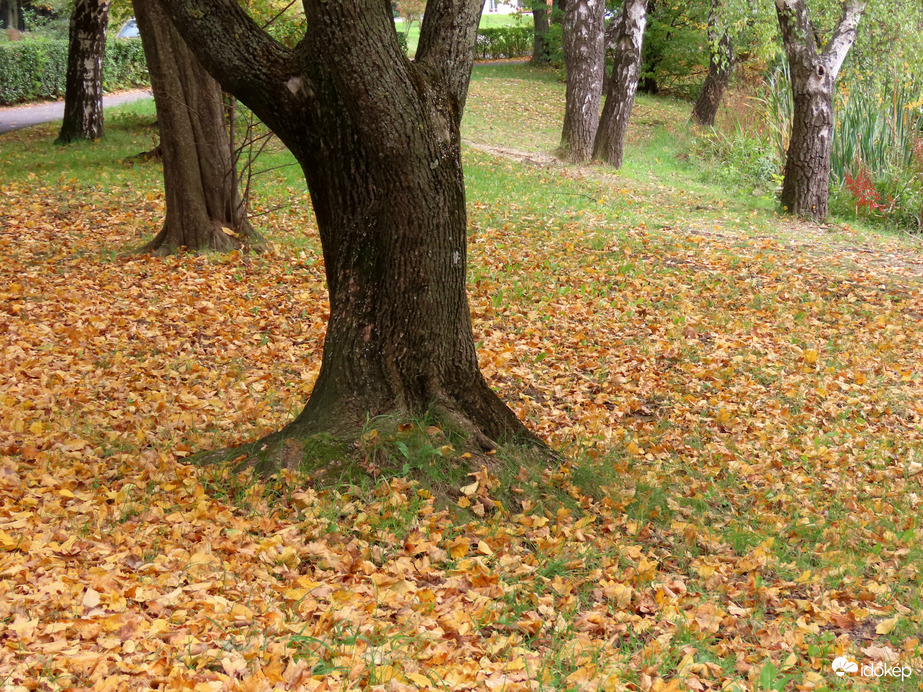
(753, 411)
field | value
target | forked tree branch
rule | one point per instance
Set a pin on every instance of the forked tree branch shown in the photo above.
(798, 34)
(243, 58)
(446, 45)
(843, 36)
(797, 31)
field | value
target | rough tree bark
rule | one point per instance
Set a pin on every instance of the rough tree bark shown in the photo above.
(83, 96)
(540, 18)
(200, 178)
(806, 186)
(720, 68)
(377, 137)
(622, 85)
(584, 58)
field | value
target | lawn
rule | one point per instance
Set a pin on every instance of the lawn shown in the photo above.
(737, 396)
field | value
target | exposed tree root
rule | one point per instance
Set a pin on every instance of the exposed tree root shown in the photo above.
(155, 154)
(383, 445)
(218, 238)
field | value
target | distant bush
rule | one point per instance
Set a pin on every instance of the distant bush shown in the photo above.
(503, 42)
(742, 160)
(33, 69)
(45, 22)
(124, 66)
(554, 45)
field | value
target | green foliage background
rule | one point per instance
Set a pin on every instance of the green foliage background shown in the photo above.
(675, 49)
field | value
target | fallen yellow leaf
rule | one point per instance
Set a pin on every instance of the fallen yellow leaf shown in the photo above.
(885, 626)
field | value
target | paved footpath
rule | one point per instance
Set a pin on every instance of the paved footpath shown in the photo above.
(18, 117)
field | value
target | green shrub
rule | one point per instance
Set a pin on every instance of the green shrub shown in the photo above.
(554, 45)
(503, 42)
(741, 159)
(674, 53)
(402, 41)
(33, 69)
(51, 26)
(124, 66)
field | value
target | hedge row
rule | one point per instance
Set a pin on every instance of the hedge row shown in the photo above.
(34, 69)
(503, 42)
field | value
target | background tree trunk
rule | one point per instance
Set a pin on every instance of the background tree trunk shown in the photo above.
(11, 15)
(806, 186)
(200, 178)
(720, 68)
(83, 99)
(652, 54)
(622, 85)
(540, 18)
(584, 58)
(378, 139)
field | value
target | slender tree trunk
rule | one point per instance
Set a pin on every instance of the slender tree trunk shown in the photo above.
(83, 98)
(651, 54)
(200, 182)
(720, 68)
(540, 18)
(806, 186)
(378, 139)
(584, 58)
(620, 92)
(610, 41)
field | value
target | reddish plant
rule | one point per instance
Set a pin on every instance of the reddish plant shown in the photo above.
(864, 191)
(918, 152)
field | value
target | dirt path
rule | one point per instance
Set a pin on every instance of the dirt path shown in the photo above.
(17, 117)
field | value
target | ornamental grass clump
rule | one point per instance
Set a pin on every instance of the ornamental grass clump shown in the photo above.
(877, 159)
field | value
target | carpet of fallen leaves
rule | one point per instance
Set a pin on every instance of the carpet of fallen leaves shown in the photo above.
(755, 397)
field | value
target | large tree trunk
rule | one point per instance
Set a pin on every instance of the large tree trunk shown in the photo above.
(622, 85)
(378, 139)
(584, 58)
(806, 186)
(200, 181)
(720, 69)
(540, 18)
(83, 99)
